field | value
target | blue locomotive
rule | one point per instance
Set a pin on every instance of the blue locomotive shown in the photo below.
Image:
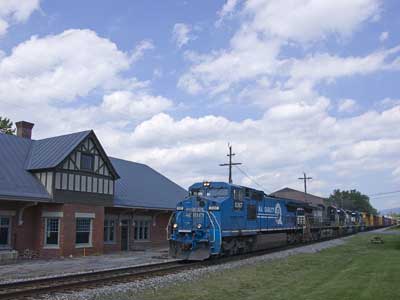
(218, 218)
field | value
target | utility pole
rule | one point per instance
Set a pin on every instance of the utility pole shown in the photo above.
(305, 178)
(230, 164)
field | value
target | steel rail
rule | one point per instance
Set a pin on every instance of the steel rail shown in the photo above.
(36, 287)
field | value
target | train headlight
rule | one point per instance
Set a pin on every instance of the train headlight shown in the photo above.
(175, 226)
(179, 208)
(199, 226)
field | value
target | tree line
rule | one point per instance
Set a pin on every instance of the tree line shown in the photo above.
(351, 200)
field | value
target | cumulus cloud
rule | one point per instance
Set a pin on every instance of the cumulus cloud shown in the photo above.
(15, 11)
(50, 79)
(268, 26)
(297, 131)
(60, 67)
(347, 105)
(181, 34)
(139, 105)
(306, 130)
(325, 66)
(305, 21)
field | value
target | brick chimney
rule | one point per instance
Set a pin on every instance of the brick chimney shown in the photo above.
(24, 129)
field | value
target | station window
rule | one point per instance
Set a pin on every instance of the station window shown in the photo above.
(87, 161)
(142, 230)
(52, 231)
(83, 232)
(5, 224)
(109, 231)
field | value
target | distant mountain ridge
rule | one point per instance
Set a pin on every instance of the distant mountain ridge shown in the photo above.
(390, 211)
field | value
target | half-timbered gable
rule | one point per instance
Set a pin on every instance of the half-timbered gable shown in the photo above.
(86, 171)
(74, 168)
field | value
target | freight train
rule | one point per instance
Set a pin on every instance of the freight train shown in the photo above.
(219, 219)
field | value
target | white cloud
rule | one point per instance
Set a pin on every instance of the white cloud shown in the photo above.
(216, 73)
(135, 105)
(286, 140)
(181, 34)
(141, 48)
(325, 66)
(15, 11)
(384, 36)
(60, 67)
(389, 102)
(268, 26)
(48, 79)
(347, 105)
(228, 8)
(304, 21)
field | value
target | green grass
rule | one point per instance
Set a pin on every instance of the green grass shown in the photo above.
(356, 270)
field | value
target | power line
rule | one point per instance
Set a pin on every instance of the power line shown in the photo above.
(252, 180)
(384, 193)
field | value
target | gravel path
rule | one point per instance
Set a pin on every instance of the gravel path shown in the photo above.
(128, 290)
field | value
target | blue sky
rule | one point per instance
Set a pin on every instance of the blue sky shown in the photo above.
(294, 85)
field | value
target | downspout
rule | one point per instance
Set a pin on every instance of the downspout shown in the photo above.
(21, 212)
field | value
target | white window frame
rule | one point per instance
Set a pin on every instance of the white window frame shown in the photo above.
(138, 219)
(8, 245)
(51, 246)
(85, 245)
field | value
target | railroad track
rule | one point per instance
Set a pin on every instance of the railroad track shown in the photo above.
(66, 283)
(35, 288)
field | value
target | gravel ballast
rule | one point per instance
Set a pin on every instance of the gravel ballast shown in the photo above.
(125, 290)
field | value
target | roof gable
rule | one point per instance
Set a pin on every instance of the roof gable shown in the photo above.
(51, 152)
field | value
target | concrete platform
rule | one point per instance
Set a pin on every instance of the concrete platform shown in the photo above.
(7, 256)
(22, 270)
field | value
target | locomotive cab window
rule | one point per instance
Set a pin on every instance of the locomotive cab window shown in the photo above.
(220, 192)
(196, 193)
(237, 199)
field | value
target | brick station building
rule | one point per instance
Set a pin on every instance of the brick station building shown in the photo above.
(64, 196)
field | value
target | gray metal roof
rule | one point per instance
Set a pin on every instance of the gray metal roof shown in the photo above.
(289, 193)
(138, 186)
(142, 186)
(15, 181)
(49, 153)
